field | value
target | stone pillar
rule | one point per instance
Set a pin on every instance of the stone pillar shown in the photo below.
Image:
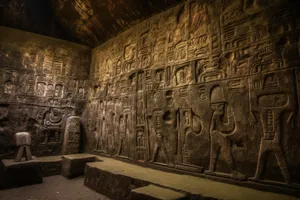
(72, 136)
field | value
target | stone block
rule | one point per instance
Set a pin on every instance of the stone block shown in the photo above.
(152, 192)
(17, 174)
(23, 138)
(72, 136)
(51, 165)
(110, 183)
(73, 165)
(116, 180)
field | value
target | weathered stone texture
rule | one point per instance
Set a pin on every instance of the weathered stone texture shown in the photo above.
(43, 81)
(73, 165)
(72, 135)
(17, 174)
(207, 84)
(51, 165)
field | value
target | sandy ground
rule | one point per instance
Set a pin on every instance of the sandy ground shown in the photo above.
(53, 188)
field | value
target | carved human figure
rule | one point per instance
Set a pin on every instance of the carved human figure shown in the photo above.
(271, 107)
(220, 132)
(160, 140)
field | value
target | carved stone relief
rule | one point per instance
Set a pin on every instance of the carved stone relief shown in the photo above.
(41, 88)
(215, 90)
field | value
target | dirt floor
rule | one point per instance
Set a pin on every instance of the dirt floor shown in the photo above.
(53, 188)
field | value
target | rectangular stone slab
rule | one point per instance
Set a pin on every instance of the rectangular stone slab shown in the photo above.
(51, 165)
(73, 165)
(152, 192)
(20, 174)
(116, 179)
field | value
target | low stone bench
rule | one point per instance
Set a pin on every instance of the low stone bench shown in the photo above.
(73, 165)
(51, 165)
(17, 174)
(152, 192)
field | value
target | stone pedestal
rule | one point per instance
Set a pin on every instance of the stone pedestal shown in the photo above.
(73, 165)
(16, 174)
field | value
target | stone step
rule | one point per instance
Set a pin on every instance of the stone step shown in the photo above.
(152, 192)
(73, 165)
(116, 179)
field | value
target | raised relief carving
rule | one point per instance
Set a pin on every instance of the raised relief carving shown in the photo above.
(159, 49)
(160, 80)
(222, 126)
(188, 124)
(141, 144)
(72, 136)
(272, 100)
(177, 44)
(141, 109)
(183, 75)
(52, 122)
(123, 136)
(58, 90)
(130, 57)
(199, 40)
(160, 139)
(144, 55)
(211, 72)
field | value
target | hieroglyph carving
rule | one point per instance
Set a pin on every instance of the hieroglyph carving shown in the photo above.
(272, 99)
(220, 132)
(72, 136)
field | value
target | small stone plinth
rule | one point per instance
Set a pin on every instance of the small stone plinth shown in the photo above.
(152, 192)
(73, 165)
(17, 174)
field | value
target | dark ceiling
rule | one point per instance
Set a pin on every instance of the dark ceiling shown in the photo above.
(89, 22)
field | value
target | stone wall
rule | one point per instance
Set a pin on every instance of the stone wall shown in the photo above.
(207, 85)
(42, 81)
